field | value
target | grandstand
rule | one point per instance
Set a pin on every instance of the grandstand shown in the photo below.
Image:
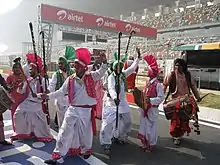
(193, 22)
(189, 23)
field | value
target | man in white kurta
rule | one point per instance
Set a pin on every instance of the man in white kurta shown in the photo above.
(56, 82)
(76, 133)
(30, 120)
(154, 96)
(109, 112)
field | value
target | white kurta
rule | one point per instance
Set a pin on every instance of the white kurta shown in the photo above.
(105, 86)
(29, 117)
(61, 102)
(75, 134)
(109, 112)
(148, 125)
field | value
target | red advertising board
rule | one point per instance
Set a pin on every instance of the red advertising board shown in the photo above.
(75, 18)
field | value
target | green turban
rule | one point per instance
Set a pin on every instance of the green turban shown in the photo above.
(115, 64)
(123, 58)
(70, 54)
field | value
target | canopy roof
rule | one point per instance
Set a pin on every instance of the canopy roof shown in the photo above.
(204, 46)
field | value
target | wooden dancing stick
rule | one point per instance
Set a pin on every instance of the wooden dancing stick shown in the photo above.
(118, 80)
(129, 40)
(35, 55)
(45, 102)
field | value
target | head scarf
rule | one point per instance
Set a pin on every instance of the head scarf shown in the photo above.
(152, 68)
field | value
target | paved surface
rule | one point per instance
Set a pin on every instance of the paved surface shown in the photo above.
(196, 150)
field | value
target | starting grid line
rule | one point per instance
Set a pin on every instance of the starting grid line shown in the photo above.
(34, 160)
(22, 148)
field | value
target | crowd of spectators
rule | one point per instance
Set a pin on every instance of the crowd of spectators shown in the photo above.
(189, 16)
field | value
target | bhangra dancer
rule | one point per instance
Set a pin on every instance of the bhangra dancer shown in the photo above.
(76, 133)
(109, 71)
(154, 96)
(14, 81)
(180, 85)
(2, 135)
(57, 81)
(130, 79)
(109, 112)
(29, 118)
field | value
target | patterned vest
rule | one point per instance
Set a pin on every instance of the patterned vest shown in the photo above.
(150, 91)
(89, 84)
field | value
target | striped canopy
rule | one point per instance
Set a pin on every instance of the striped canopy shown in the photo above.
(205, 46)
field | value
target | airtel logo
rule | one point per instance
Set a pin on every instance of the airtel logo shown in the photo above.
(101, 22)
(71, 16)
(62, 14)
(130, 28)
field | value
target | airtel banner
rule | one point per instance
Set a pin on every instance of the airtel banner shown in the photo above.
(75, 18)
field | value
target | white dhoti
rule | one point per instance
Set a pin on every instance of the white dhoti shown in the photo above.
(107, 131)
(31, 122)
(61, 110)
(148, 127)
(75, 135)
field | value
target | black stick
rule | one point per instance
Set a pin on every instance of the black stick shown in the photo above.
(45, 102)
(35, 54)
(129, 40)
(44, 59)
(118, 78)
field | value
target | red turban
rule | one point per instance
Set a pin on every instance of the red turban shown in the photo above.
(153, 70)
(31, 58)
(83, 57)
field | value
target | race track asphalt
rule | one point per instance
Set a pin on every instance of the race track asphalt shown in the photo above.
(201, 149)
